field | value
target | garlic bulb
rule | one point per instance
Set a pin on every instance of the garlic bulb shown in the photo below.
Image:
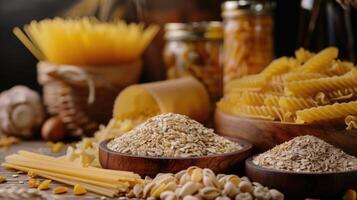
(21, 112)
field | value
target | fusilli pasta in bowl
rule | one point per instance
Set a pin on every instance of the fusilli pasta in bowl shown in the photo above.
(310, 93)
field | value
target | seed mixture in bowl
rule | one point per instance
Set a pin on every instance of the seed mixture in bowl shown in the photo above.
(172, 135)
(306, 154)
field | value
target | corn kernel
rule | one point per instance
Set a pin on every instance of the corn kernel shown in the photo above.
(2, 179)
(60, 190)
(33, 183)
(44, 185)
(79, 190)
(350, 195)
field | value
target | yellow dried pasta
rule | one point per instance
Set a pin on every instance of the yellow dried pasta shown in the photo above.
(313, 86)
(343, 94)
(278, 79)
(322, 99)
(326, 113)
(351, 122)
(299, 76)
(276, 67)
(339, 68)
(303, 55)
(266, 112)
(252, 98)
(247, 83)
(227, 103)
(320, 60)
(301, 89)
(293, 104)
(276, 88)
(336, 96)
(271, 100)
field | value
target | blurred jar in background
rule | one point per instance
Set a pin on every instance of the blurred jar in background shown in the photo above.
(195, 49)
(161, 12)
(248, 37)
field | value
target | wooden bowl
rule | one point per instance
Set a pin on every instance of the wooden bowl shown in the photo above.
(296, 185)
(266, 134)
(150, 166)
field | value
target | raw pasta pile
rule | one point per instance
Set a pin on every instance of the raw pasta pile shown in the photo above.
(307, 88)
(85, 41)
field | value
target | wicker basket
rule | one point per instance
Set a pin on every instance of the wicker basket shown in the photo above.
(83, 96)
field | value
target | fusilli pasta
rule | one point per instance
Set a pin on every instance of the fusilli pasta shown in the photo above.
(313, 86)
(278, 66)
(274, 113)
(300, 76)
(271, 100)
(320, 60)
(252, 98)
(293, 104)
(326, 113)
(309, 88)
(302, 55)
(247, 83)
(339, 68)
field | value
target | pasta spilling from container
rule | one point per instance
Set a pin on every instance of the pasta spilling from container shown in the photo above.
(308, 88)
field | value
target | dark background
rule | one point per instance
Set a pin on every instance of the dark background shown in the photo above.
(17, 65)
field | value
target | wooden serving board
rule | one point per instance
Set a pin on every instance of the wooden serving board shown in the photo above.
(40, 147)
(266, 134)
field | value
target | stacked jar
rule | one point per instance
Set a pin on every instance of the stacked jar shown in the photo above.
(248, 37)
(194, 49)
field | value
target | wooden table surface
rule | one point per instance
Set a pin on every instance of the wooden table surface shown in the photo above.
(21, 180)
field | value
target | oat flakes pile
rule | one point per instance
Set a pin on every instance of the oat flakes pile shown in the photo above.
(172, 135)
(306, 154)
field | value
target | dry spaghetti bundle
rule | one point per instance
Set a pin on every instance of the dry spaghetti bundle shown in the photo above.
(307, 88)
(85, 41)
(101, 181)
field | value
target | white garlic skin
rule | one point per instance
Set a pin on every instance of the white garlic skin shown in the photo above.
(21, 112)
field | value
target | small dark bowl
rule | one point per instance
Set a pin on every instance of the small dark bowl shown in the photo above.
(301, 185)
(150, 166)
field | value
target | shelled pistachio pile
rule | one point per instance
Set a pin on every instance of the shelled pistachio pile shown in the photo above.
(195, 184)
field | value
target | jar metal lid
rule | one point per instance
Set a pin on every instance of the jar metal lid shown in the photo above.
(193, 31)
(247, 7)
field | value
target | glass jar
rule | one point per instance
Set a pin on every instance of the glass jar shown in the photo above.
(195, 49)
(248, 37)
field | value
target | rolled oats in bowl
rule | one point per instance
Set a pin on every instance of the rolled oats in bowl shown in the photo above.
(306, 154)
(172, 135)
